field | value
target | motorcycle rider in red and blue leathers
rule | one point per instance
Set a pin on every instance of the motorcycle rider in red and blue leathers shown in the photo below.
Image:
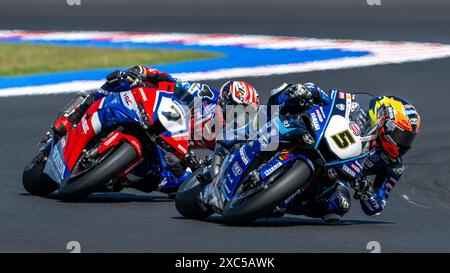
(185, 92)
(203, 118)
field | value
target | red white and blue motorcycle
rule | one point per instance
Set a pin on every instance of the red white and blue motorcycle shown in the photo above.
(253, 184)
(140, 131)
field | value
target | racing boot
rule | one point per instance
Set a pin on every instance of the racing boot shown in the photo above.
(169, 183)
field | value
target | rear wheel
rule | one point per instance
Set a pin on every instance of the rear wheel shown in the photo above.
(263, 203)
(186, 199)
(35, 181)
(96, 178)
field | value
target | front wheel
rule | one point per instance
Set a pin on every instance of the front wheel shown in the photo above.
(79, 187)
(262, 203)
(186, 199)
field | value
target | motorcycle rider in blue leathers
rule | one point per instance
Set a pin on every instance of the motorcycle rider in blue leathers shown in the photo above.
(397, 123)
(393, 124)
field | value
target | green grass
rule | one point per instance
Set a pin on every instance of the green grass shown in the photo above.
(25, 59)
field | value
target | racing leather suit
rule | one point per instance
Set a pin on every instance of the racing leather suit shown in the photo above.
(385, 170)
(185, 92)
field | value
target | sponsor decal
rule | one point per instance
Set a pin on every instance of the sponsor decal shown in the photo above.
(237, 170)
(59, 164)
(225, 186)
(348, 104)
(356, 168)
(349, 171)
(284, 156)
(341, 95)
(84, 125)
(273, 168)
(315, 121)
(244, 156)
(63, 141)
(181, 148)
(368, 164)
(137, 146)
(293, 196)
(144, 97)
(340, 106)
(409, 110)
(355, 128)
(322, 112)
(319, 115)
(111, 139)
(128, 100)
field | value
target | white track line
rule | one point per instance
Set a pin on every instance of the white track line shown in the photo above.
(382, 52)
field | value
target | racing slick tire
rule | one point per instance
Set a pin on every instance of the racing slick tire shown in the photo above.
(186, 200)
(79, 187)
(262, 203)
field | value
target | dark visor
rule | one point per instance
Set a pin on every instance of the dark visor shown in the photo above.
(403, 138)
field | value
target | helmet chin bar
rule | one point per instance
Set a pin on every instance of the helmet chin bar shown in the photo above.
(388, 145)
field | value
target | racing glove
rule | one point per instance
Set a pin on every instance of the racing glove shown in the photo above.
(131, 76)
(134, 76)
(371, 203)
(307, 95)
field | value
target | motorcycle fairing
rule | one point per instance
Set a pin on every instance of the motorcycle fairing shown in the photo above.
(320, 117)
(117, 108)
(281, 159)
(56, 167)
(238, 162)
(342, 136)
(353, 167)
(114, 109)
(115, 138)
(161, 106)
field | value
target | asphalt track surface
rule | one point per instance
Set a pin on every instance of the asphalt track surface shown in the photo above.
(135, 222)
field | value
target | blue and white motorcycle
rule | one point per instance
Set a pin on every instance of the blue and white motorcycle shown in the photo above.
(252, 184)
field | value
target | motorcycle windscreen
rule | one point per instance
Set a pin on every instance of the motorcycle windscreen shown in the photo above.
(319, 116)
